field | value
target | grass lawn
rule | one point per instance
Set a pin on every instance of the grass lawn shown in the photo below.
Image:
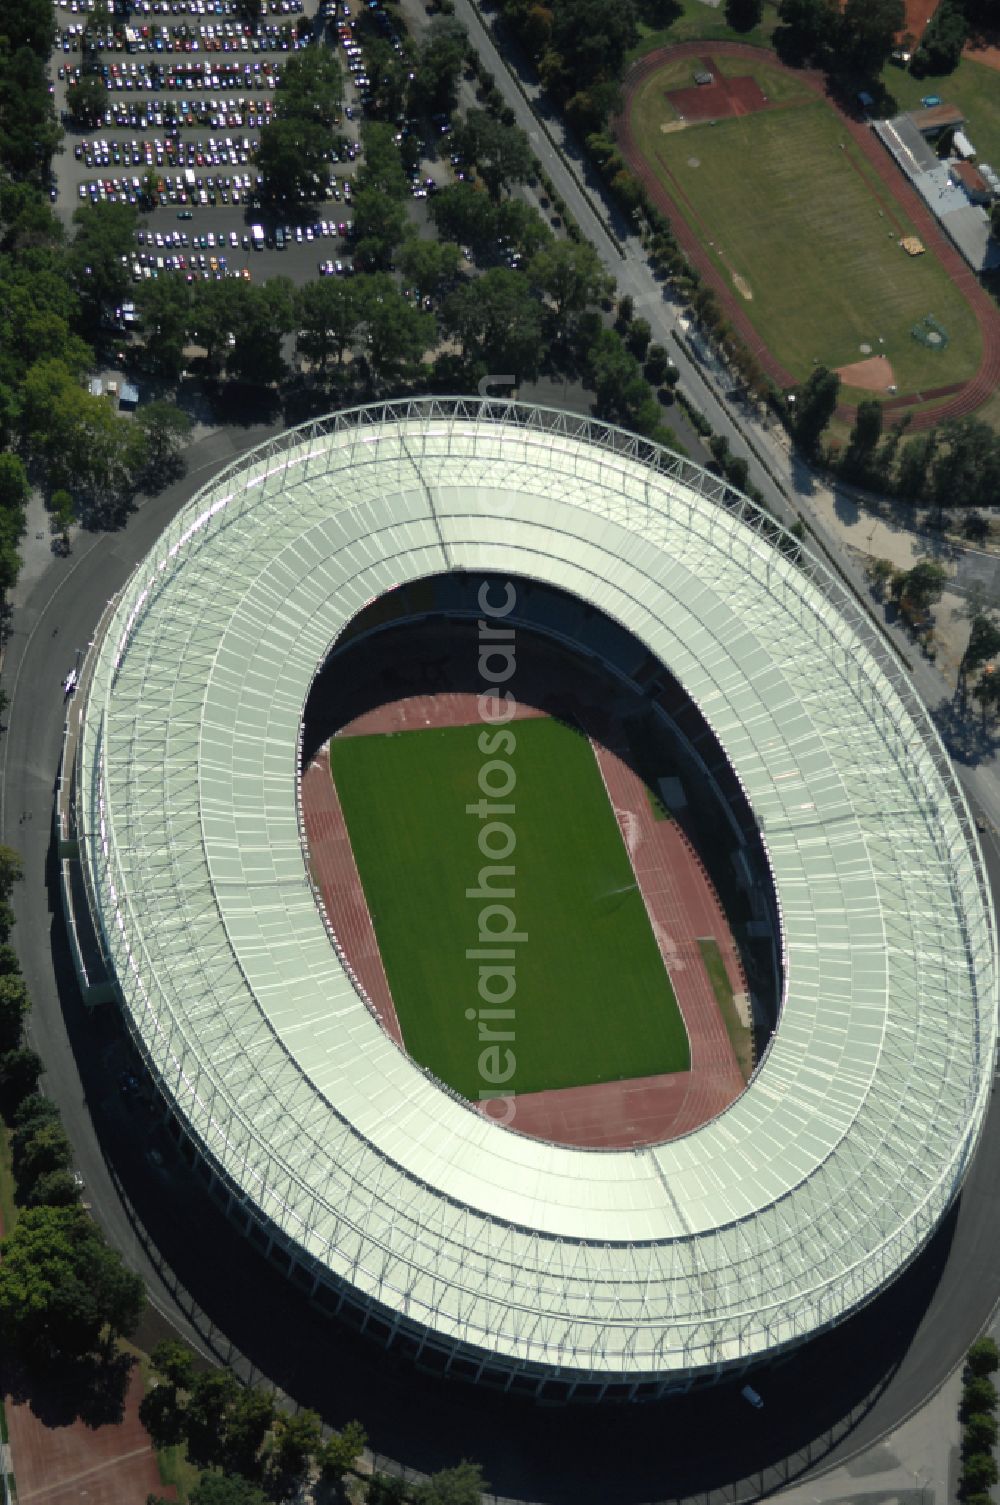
(593, 1001)
(794, 216)
(740, 1038)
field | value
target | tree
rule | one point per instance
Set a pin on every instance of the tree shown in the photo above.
(987, 692)
(382, 168)
(265, 314)
(9, 964)
(54, 1189)
(211, 1398)
(100, 255)
(174, 1362)
(430, 266)
(497, 320)
(63, 511)
(464, 214)
(87, 101)
(657, 368)
(815, 405)
(341, 1451)
(979, 1472)
(501, 153)
(33, 1112)
(164, 306)
(461, 1485)
(983, 645)
(744, 15)
(14, 1005)
(966, 468)
(14, 487)
(397, 334)
(40, 1152)
(166, 428)
(623, 396)
(62, 1287)
(439, 63)
(590, 39)
(979, 1394)
(19, 1073)
(940, 49)
(385, 1489)
(292, 159)
(570, 274)
(388, 76)
(226, 1489)
(310, 88)
(983, 1357)
(923, 585)
(522, 227)
(248, 1423)
(296, 1438)
(328, 313)
(162, 1413)
(864, 439)
(868, 31)
(807, 30)
(379, 225)
(215, 312)
(980, 1433)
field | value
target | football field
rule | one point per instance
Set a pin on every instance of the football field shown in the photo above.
(592, 1001)
(804, 231)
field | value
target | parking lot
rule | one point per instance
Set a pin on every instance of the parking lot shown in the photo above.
(198, 139)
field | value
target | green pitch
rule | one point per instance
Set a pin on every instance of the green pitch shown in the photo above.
(804, 232)
(592, 1000)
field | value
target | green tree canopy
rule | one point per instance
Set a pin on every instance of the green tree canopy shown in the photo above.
(250, 1418)
(292, 158)
(815, 405)
(164, 305)
(310, 87)
(980, 1434)
(430, 266)
(297, 1437)
(868, 31)
(497, 320)
(465, 215)
(397, 334)
(19, 1073)
(382, 168)
(174, 1362)
(100, 253)
(328, 313)
(923, 585)
(45, 1149)
(501, 153)
(984, 1356)
(226, 1489)
(210, 1401)
(379, 226)
(461, 1485)
(61, 1287)
(439, 63)
(14, 1005)
(166, 429)
(983, 645)
(623, 395)
(341, 1451)
(570, 274)
(53, 1189)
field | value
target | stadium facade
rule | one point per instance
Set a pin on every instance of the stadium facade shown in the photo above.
(553, 1271)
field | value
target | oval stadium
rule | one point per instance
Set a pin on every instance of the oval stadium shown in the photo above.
(553, 1269)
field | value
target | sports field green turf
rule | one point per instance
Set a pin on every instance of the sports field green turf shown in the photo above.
(793, 214)
(593, 1001)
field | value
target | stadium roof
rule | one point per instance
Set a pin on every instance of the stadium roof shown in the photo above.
(808, 1194)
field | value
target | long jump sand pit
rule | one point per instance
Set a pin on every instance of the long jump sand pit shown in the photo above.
(873, 374)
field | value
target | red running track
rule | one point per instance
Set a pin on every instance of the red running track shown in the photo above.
(680, 900)
(968, 397)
